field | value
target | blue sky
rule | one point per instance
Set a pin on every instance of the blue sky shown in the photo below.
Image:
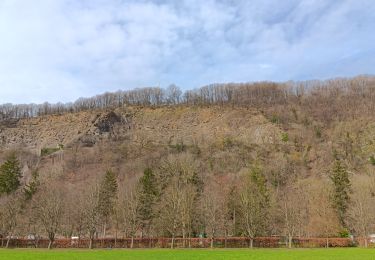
(59, 50)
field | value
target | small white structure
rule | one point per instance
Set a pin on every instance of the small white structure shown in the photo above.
(74, 240)
(372, 238)
(31, 237)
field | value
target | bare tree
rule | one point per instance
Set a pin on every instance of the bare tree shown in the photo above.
(361, 211)
(92, 211)
(180, 186)
(49, 210)
(323, 218)
(9, 215)
(173, 94)
(214, 209)
(293, 210)
(74, 216)
(188, 195)
(170, 209)
(253, 204)
(129, 210)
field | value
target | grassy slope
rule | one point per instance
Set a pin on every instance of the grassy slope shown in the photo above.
(259, 254)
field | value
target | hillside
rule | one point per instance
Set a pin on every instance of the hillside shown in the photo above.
(217, 132)
(139, 132)
(305, 158)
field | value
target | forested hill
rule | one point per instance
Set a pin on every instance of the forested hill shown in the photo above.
(292, 158)
(258, 94)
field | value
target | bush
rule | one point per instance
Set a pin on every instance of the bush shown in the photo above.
(178, 147)
(344, 233)
(372, 160)
(275, 119)
(284, 137)
(228, 142)
(48, 151)
(321, 242)
(318, 132)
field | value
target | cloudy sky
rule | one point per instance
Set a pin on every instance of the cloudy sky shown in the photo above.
(59, 50)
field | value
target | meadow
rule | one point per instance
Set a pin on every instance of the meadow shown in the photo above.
(139, 254)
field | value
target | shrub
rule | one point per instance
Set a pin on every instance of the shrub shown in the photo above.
(284, 137)
(372, 160)
(344, 233)
(179, 147)
(228, 142)
(48, 151)
(275, 119)
(318, 132)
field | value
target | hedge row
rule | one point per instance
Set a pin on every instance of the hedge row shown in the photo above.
(232, 242)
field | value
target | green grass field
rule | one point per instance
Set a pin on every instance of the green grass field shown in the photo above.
(139, 254)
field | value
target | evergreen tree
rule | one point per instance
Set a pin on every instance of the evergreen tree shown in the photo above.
(260, 183)
(30, 189)
(342, 188)
(107, 197)
(254, 204)
(10, 175)
(147, 196)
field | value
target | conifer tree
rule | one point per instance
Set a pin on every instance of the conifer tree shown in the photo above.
(107, 197)
(342, 188)
(147, 195)
(10, 175)
(30, 189)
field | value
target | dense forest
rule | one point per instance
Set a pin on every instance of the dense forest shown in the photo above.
(294, 159)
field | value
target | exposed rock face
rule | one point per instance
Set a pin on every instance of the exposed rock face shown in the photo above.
(105, 122)
(78, 146)
(143, 126)
(8, 123)
(52, 131)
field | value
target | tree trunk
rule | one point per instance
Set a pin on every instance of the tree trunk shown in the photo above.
(132, 242)
(251, 242)
(225, 239)
(234, 222)
(212, 242)
(104, 229)
(50, 244)
(290, 241)
(8, 240)
(36, 241)
(183, 238)
(51, 237)
(116, 237)
(172, 244)
(366, 245)
(327, 242)
(90, 244)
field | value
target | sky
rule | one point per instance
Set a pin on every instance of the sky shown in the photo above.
(59, 50)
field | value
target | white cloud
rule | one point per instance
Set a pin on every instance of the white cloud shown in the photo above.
(62, 49)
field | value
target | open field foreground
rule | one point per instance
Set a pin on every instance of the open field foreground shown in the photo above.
(269, 254)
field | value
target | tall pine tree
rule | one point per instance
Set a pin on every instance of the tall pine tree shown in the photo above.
(341, 189)
(10, 175)
(107, 197)
(147, 194)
